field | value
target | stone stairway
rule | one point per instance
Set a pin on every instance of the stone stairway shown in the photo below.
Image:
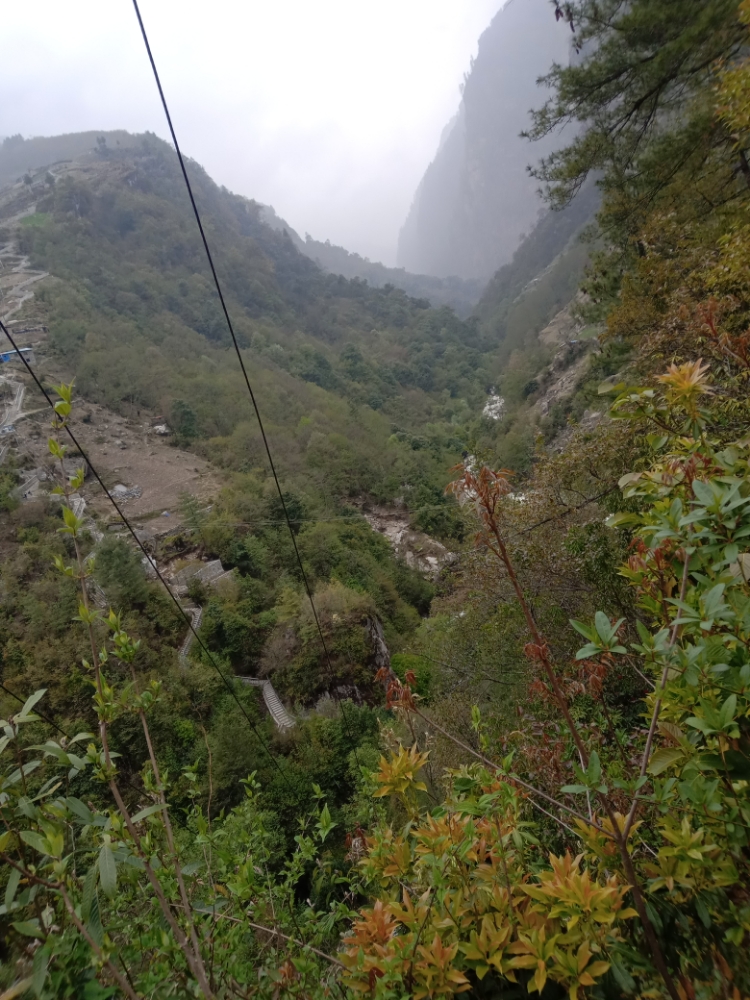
(196, 616)
(275, 708)
(16, 275)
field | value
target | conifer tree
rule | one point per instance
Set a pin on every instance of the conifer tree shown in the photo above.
(640, 89)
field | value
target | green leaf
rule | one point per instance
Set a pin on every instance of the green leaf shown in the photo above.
(728, 710)
(35, 840)
(149, 811)
(325, 823)
(643, 633)
(585, 631)
(592, 649)
(628, 478)
(603, 627)
(89, 891)
(80, 736)
(712, 601)
(623, 978)
(704, 493)
(133, 861)
(702, 910)
(697, 723)
(39, 976)
(657, 441)
(30, 702)
(53, 750)
(107, 870)
(27, 768)
(71, 521)
(710, 762)
(594, 770)
(621, 520)
(664, 758)
(30, 928)
(94, 924)
(606, 387)
(11, 888)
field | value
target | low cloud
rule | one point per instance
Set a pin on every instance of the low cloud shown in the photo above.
(330, 111)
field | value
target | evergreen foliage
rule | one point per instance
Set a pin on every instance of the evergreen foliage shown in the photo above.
(547, 789)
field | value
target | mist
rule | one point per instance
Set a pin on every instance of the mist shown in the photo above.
(330, 112)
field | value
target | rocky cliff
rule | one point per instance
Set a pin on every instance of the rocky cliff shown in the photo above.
(476, 199)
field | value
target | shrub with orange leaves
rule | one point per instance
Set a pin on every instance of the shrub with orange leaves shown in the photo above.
(464, 892)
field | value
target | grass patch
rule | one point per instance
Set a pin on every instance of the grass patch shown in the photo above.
(37, 219)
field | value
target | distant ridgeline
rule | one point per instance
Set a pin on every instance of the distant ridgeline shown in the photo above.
(18, 155)
(461, 294)
(364, 389)
(476, 199)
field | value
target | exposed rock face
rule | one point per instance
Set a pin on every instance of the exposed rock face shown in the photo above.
(420, 552)
(494, 407)
(381, 657)
(476, 198)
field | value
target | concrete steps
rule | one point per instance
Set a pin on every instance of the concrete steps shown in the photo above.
(275, 708)
(196, 617)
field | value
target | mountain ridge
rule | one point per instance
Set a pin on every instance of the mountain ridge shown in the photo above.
(476, 198)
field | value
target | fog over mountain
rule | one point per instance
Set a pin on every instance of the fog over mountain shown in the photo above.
(328, 111)
(476, 198)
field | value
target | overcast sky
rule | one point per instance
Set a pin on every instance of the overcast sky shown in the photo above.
(330, 111)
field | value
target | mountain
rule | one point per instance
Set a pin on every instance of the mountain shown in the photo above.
(368, 396)
(402, 825)
(476, 199)
(18, 156)
(458, 293)
(364, 390)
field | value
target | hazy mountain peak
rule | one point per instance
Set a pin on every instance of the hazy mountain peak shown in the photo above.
(476, 199)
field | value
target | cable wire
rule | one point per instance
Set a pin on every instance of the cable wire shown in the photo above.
(46, 718)
(141, 546)
(238, 352)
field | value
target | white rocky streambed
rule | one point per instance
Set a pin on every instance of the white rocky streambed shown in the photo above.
(420, 552)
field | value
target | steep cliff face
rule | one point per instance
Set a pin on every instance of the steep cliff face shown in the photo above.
(476, 199)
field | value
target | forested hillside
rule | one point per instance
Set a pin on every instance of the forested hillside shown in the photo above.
(460, 294)
(135, 316)
(521, 770)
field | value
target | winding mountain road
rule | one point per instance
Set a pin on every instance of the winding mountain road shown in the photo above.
(17, 277)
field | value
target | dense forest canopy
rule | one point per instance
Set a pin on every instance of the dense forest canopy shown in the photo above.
(525, 773)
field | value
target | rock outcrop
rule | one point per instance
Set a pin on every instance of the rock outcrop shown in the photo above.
(477, 199)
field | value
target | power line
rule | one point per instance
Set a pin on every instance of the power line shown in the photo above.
(51, 722)
(275, 522)
(140, 545)
(46, 718)
(230, 327)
